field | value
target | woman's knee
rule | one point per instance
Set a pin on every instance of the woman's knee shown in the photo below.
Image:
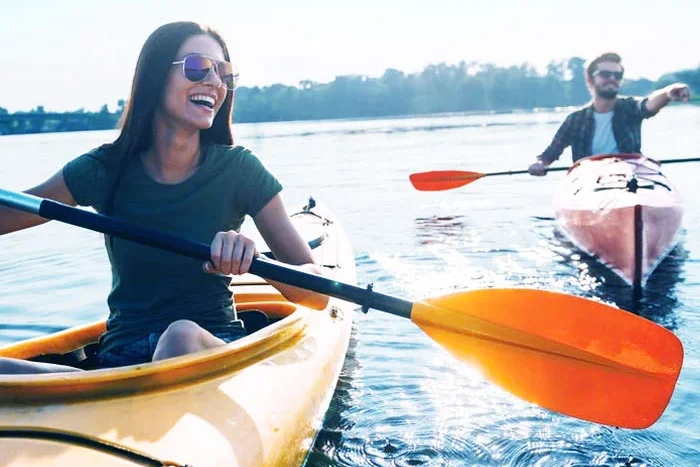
(182, 330)
(181, 337)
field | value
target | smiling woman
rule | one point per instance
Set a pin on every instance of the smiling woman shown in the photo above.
(174, 166)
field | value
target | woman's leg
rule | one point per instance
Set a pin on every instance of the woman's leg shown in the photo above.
(183, 337)
(13, 366)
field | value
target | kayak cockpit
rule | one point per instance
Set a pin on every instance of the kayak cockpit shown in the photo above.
(272, 324)
(255, 316)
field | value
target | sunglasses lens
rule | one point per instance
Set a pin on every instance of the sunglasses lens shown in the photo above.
(227, 74)
(606, 74)
(197, 67)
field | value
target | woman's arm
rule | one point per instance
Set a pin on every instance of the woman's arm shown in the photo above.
(54, 188)
(287, 245)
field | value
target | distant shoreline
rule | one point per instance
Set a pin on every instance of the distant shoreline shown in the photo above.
(558, 109)
(54, 119)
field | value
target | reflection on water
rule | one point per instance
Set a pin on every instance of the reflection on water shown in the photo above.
(657, 301)
(660, 299)
(330, 438)
(351, 127)
(435, 229)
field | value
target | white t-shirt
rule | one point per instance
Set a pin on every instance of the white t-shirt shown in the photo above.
(603, 136)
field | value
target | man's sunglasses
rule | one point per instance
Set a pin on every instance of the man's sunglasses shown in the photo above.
(197, 67)
(607, 74)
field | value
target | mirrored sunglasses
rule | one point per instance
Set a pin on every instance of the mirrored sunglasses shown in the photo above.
(196, 68)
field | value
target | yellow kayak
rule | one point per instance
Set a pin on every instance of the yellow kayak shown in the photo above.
(258, 401)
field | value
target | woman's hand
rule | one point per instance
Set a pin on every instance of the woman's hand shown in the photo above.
(231, 253)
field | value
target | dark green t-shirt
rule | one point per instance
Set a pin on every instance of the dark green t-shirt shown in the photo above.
(152, 288)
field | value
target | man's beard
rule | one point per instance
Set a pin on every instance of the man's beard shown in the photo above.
(608, 94)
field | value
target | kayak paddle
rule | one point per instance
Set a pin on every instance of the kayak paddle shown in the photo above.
(568, 354)
(440, 180)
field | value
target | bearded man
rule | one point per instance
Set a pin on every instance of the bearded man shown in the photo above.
(609, 124)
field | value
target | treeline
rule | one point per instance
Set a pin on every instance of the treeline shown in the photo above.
(438, 88)
(465, 87)
(40, 121)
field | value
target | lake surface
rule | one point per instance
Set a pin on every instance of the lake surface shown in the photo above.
(401, 400)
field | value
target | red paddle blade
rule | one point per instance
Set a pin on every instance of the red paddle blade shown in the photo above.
(439, 180)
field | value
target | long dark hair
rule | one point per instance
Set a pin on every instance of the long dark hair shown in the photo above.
(147, 90)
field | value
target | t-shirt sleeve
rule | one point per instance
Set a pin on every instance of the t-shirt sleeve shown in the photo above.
(256, 185)
(86, 178)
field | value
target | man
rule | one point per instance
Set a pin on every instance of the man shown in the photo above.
(610, 124)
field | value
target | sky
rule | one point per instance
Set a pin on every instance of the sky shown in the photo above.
(70, 54)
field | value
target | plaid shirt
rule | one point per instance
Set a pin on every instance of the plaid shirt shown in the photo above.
(577, 130)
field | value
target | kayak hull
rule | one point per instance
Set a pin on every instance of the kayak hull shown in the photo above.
(256, 401)
(621, 210)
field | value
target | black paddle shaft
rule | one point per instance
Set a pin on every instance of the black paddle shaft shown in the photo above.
(560, 169)
(518, 172)
(260, 267)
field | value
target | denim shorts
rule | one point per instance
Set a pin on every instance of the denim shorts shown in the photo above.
(141, 351)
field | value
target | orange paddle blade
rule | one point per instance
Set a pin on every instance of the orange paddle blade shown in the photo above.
(440, 180)
(568, 354)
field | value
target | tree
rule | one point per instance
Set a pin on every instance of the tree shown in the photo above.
(578, 90)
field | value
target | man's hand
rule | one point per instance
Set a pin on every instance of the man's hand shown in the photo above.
(538, 169)
(678, 92)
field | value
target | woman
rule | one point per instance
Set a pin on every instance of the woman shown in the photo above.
(174, 167)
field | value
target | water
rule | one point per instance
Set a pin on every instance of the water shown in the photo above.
(401, 400)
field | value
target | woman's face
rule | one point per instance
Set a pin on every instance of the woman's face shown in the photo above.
(190, 104)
